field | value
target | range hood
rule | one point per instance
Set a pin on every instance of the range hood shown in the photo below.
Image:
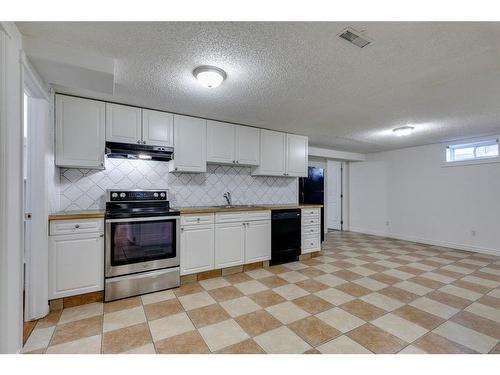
(138, 151)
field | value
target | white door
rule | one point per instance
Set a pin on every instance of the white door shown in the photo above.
(229, 244)
(247, 145)
(272, 153)
(333, 194)
(296, 155)
(220, 142)
(258, 241)
(123, 123)
(197, 248)
(80, 127)
(76, 264)
(190, 141)
(157, 128)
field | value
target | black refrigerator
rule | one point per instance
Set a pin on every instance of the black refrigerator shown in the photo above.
(312, 191)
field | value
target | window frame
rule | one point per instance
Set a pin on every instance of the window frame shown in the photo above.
(475, 143)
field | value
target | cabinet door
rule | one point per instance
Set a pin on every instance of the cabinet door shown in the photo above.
(190, 141)
(272, 153)
(123, 124)
(220, 142)
(258, 241)
(79, 132)
(157, 128)
(296, 155)
(229, 244)
(247, 145)
(76, 264)
(197, 248)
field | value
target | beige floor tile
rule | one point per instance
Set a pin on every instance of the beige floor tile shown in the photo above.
(267, 298)
(334, 296)
(170, 326)
(312, 304)
(340, 319)
(399, 327)
(290, 291)
(214, 283)
(88, 345)
(311, 285)
(225, 293)
(363, 310)
(239, 306)
(382, 302)
(163, 308)
(257, 322)
(122, 304)
(38, 339)
(371, 284)
(448, 299)
(419, 317)
(287, 312)
(353, 289)
(294, 266)
(127, 338)
(282, 341)
(245, 347)
(495, 293)
(186, 343)
(437, 277)
(436, 344)
(292, 276)
(50, 320)
(330, 280)
(413, 288)
(223, 334)
(458, 269)
(157, 297)
(250, 287)
(399, 274)
(362, 271)
(434, 307)
(485, 311)
(77, 330)
(466, 336)
(273, 281)
(145, 349)
(410, 349)
(398, 294)
(259, 273)
(81, 312)
(313, 330)
(343, 345)
(328, 268)
(186, 289)
(477, 323)
(481, 281)
(207, 315)
(123, 318)
(196, 300)
(376, 340)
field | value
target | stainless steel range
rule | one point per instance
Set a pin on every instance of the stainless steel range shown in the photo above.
(142, 243)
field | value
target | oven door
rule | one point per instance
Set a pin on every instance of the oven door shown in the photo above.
(141, 244)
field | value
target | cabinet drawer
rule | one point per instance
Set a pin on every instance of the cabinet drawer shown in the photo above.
(197, 219)
(310, 220)
(229, 217)
(310, 212)
(257, 215)
(311, 243)
(58, 227)
(314, 229)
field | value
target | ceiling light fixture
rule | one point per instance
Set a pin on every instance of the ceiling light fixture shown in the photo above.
(209, 76)
(403, 130)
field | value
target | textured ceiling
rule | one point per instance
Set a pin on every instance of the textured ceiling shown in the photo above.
(300, 77)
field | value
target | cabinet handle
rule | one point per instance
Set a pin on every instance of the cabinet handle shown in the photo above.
(139, 141)
(101, 235)
(312, 221)
(312, 230)
(176, 168)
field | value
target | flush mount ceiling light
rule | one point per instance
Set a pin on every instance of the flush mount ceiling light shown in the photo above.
(403, 130)
(209, 76)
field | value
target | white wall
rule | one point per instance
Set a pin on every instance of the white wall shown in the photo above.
(11, 222)
(407, 194)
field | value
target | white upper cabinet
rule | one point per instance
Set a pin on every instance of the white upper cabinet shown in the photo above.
(123, 123)
(220, 142)
(282, 154)
(272, 154)
(80, 129)
(296, 155)
(232, 144)
(247, 145)
(190, 139)
(157, 128)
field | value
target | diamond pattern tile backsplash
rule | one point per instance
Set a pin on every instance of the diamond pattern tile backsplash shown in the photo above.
(82, 189)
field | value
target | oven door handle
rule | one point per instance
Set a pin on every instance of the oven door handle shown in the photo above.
(136, 219)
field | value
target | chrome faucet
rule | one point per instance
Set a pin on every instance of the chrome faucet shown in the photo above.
(227, 195)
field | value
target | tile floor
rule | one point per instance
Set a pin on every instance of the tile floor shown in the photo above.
(364, 294)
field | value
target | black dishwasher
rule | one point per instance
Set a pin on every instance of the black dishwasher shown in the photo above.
(285, 236)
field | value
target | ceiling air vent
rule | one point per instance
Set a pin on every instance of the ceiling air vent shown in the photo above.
(354, 37)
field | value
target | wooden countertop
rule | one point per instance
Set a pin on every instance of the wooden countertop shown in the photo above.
(85, 214)
(212, 209)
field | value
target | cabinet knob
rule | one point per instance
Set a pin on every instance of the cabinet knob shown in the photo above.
(182, 229)
(143, 142)
(77, 226)
(139, 141)
(234, 161)
(101, 235)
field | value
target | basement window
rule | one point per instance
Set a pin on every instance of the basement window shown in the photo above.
(464, 152)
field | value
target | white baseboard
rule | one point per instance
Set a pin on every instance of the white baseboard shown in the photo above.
(451, 245)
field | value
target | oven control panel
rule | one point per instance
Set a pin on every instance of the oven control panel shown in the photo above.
(137, 195)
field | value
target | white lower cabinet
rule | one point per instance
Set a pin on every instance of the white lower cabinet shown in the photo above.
(76, 264)
(311, 230)
(257, 241)
(197, 248)
(229, 244)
